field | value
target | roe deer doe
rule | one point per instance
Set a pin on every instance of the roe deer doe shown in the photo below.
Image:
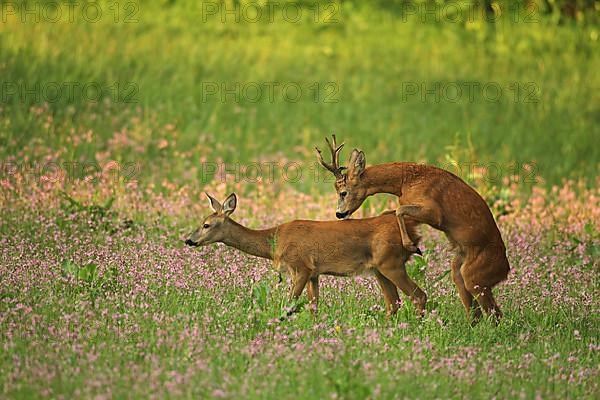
(307, 249)
(438, 198)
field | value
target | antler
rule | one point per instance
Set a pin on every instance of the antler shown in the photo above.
(334, 167)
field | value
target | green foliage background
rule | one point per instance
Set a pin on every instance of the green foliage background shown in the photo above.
(153, 62)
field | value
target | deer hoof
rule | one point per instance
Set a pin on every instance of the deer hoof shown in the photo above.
(412, 248)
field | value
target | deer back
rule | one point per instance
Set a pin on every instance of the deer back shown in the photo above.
(341, 247)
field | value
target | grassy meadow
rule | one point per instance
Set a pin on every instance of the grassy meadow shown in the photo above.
(115, 117)
(394, 86)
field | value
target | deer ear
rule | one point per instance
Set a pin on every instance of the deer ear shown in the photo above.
(357, 163)
(229, 204)
(214, 203)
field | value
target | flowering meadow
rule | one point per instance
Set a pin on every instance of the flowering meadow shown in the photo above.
(116, 117)
(99, 298)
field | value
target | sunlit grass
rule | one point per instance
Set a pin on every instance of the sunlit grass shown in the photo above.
(99, 298)
(372, 59)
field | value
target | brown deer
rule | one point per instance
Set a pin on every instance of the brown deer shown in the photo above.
(307, 249)
(440, 199)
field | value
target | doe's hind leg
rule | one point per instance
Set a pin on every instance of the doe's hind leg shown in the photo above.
(299, 279)
(397, 274)
(390, 293)
(313, 293)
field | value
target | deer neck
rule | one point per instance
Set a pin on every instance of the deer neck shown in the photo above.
(255, 242)
(385, 178)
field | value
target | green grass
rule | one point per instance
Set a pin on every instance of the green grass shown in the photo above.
(164, 320)
(150, 317)
(170, 54)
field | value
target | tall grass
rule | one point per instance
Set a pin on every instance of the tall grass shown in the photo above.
(92, 307)
(367, 62)
(98, 296)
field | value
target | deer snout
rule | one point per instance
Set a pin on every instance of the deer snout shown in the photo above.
(190, 242)
(341, 215)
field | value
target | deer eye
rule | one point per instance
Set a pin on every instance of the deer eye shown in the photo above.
(343, 194)
(205, 226)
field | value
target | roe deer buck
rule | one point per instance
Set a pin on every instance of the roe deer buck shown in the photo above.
(440, 199)
(307, 249)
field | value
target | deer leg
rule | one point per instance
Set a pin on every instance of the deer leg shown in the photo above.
(401, 279)
(390, 293)
(472, 308)
(300, 280)
(407, 242)
(428, 214)
(313, 293)
(486, 300)
(479, 281)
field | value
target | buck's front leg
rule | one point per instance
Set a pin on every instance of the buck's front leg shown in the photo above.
(427, 214)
